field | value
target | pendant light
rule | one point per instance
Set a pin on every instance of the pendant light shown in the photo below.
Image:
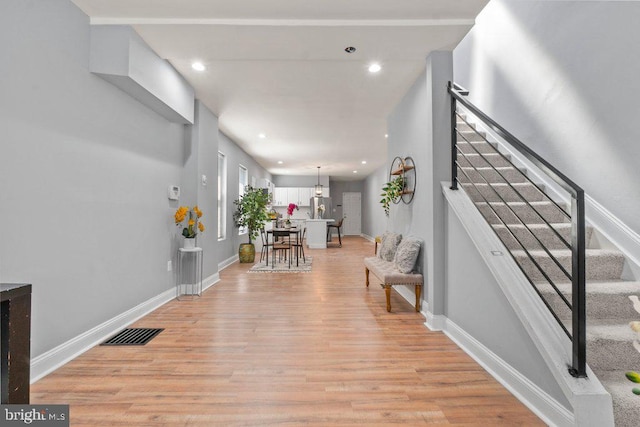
(319, 186)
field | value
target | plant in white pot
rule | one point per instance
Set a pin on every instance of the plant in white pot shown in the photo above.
(251, 212)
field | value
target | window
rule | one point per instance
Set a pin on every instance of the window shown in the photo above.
(222, 196)
(243, 181)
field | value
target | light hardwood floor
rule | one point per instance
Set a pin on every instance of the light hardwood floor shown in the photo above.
(264, 349)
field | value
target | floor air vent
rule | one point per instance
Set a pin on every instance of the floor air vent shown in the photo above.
(133, 336)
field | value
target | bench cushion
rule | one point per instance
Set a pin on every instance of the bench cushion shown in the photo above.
(387, 272)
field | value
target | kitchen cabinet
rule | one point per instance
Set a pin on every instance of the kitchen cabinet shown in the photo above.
(282, 196)
(305, 194)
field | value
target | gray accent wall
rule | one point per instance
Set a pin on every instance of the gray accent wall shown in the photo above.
(374, 222)
(419, 127)
(235, 156)
(562, 77)
(84, 173)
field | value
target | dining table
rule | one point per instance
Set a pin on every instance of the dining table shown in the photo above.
(288, 235)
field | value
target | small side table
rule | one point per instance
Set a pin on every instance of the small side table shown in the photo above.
(189, 276)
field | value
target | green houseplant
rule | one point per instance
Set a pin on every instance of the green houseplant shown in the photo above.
(251, 212)
(391, 191)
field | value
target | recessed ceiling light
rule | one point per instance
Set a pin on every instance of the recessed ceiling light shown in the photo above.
(198, 66)
(374, 68)
(355, 171)
(349, 49)
(386, 135)
(280, 162)
(364, 162)
(262, 136)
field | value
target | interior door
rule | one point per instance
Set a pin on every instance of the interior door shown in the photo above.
(352, 213)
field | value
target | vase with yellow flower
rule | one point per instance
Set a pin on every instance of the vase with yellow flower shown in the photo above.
(189, 219)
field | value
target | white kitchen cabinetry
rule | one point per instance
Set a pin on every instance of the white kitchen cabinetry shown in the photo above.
(300, 196)
(305, 194)
(280, 196)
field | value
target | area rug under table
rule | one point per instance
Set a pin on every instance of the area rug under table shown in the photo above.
(283, 267)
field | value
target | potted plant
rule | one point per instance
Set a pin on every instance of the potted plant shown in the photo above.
(391, 191)
(190, 231)
(251, 213)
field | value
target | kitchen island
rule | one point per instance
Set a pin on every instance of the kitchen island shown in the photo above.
(317, 233)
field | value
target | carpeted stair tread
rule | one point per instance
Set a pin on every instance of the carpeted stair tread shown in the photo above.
(626, 405)
(483, 160)
(610, 347)
(473, 147)
(543, 233)
(528, 213)
(468, 135)
(465, 127)
(499, 192)
(492, 175)
(602, 264)
(607, 302)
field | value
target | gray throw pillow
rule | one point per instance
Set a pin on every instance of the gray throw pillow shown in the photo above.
(407, 254)
(390, 242)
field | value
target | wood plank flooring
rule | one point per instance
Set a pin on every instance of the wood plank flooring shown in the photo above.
(261, 349)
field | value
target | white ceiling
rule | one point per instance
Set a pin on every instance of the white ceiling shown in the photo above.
(279, 67)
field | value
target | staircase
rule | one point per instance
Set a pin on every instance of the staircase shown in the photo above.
(522, 215)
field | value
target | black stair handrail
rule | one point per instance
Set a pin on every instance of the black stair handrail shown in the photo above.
(578, 233)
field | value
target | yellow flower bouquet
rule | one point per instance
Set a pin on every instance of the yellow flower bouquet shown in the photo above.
(193, 221)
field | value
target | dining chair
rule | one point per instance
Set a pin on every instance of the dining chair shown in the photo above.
(337, 226)
(298, 244)
(264, 252)
(280, 245)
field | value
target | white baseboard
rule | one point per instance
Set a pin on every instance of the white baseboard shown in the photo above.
(435, 322)
(369, 238)
(48, 362)
(227, 262)
(210, 281)
(58, 356)
(532, 396)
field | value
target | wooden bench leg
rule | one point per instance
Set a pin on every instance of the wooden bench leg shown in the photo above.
(366, 274)
(387, 291)
(418, 290)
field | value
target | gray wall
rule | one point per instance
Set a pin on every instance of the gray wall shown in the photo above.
(300, 180)
(235, 157)
(419, 127)
(84, 171)
(475, 303)
(374, 222)
(562, 77)
(339, 187)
